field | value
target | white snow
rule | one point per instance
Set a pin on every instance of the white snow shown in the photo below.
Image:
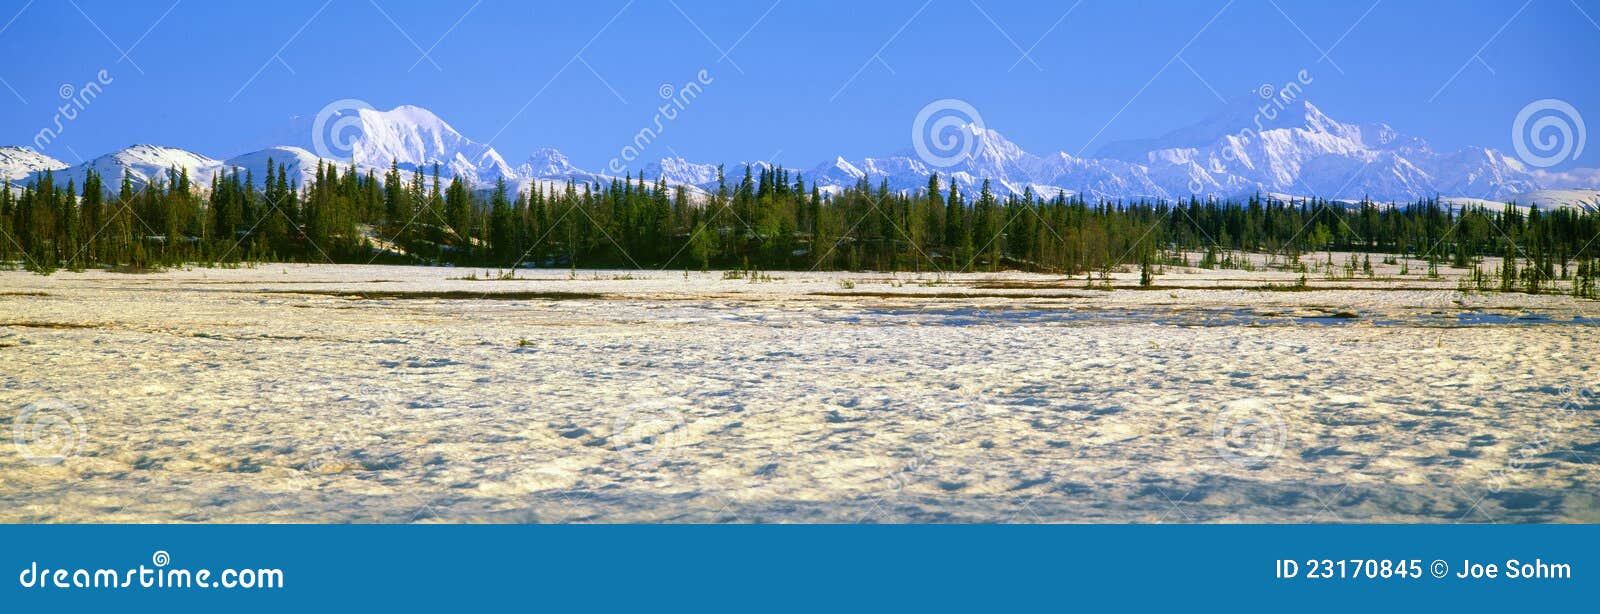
(19, 162)
(299, 164)
(1300, 150)
(415, 138)
(143, 164)
(1587, 200)
(327, 393)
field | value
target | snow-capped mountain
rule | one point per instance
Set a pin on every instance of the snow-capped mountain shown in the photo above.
(414, 138)
(20, 162)
(1243, 149)
(1009, 169)
(1579, 199)
(1586, 200)
(141, 164)
(145, 163)
(300, 165)
(1295, 149)
(677, 170)
(547, 163)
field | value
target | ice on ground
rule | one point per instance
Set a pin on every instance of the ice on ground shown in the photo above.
(409, 394)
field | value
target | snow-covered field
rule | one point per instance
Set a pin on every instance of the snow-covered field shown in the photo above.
(397, 394)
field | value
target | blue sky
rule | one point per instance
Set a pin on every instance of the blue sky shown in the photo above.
(801, 81)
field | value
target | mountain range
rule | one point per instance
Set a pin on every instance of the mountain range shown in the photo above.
(1236, 152)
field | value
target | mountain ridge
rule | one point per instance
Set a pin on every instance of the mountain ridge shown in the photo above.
(1232, 153)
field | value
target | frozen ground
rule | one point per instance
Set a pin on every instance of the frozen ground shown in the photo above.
(398, 394)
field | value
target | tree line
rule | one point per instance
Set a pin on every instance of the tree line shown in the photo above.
(767, 219)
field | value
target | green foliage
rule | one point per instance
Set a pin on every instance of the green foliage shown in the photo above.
(768, 220)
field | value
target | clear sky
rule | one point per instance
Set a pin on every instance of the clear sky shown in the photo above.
(801, 81)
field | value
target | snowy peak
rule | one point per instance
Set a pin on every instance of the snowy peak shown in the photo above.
(1308, 115)
(300, 165)
(982, 154)
(1250, 145)
(153, 159)
(843, 167)
(20, 162)
(837, 173)
(143, 165)
(407, 114)
(990, 145)
(548, 163)
(1243, 116)
(1256, 145)
(676, 170)
(413, 138)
